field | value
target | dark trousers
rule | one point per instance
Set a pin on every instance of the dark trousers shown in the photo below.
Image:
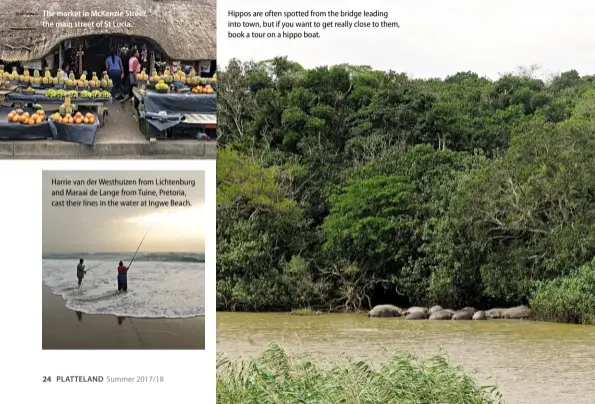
(122, 284)
(116, 77)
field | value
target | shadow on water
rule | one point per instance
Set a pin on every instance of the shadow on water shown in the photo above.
(79, 316)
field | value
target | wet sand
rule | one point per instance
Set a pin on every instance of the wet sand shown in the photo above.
(67, 329)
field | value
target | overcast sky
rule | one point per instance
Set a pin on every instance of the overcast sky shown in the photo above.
(436, 37)
(109, 229)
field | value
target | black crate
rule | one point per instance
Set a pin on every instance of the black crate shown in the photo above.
(150, 131)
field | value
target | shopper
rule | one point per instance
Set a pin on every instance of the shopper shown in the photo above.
(115, 70)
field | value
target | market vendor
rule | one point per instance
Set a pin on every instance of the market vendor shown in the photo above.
(65, 69)
(113, 65)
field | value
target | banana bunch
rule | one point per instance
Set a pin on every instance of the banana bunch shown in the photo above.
(85, 94)
(73, 94)
(96, 94)
(106, 94)
(51, 93)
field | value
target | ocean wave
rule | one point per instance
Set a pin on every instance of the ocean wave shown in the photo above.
(155, 289)
(127, 256)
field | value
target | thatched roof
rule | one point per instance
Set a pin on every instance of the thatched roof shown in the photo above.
(183, 29)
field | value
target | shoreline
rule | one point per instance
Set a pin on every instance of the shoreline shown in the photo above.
(63, 328)
(315, 313)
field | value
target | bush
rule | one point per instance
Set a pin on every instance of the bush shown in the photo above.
(275, 377)
(568, 299)
(305, 312)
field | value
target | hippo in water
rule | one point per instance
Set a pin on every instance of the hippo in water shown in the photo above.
(434, 309)
(385, 310)
(463, 315)
(441, 315)
(417, 315)
(416, 309)
(517, 313)
(494, 313)
(480, 315)
(471, 309)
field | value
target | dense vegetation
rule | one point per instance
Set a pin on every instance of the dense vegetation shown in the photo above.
(569, 299)
(274, 377)
(343, 187)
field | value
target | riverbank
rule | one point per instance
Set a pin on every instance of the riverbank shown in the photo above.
(275, 376)
(66, 329)
(532, 362)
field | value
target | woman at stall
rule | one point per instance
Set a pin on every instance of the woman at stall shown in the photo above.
(115, 70)
(65, 70)
(133, 69)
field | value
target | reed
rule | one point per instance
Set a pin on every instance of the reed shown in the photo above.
(276, 377)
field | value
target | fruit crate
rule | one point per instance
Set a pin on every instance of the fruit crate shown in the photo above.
(149, 131)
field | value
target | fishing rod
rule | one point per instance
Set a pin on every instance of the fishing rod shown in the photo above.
(141, 243)
(95, 266)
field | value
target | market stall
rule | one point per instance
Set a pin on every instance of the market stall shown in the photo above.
(25, 126)
(77, 128)
(92, 94)
(187, 103)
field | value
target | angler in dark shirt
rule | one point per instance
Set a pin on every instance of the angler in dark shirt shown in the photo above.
(122, 278)
(80, 271)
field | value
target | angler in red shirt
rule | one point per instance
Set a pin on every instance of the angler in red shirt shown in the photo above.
(122, 278)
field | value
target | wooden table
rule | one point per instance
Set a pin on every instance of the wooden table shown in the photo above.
(5, 91)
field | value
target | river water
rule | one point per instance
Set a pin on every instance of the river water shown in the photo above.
(532, 362)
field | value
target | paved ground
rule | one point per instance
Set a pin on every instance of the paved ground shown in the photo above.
(119, 138)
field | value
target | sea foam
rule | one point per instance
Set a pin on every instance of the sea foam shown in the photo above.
(155, 289)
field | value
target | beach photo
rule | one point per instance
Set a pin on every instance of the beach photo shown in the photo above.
(100, 79)
(123, 262)
(406, 215)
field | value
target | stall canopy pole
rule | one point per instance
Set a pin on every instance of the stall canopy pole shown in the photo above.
(61, 57)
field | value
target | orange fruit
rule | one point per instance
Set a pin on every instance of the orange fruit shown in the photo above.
(86, 120)
(15, 118)
(79, 120)
(92, 119)
(31, 121)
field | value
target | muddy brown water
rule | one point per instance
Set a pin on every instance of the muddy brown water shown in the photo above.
(532, 362)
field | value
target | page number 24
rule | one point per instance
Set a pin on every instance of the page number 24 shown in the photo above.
(47, 379)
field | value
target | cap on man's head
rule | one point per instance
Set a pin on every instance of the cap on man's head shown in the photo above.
(121, 263)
